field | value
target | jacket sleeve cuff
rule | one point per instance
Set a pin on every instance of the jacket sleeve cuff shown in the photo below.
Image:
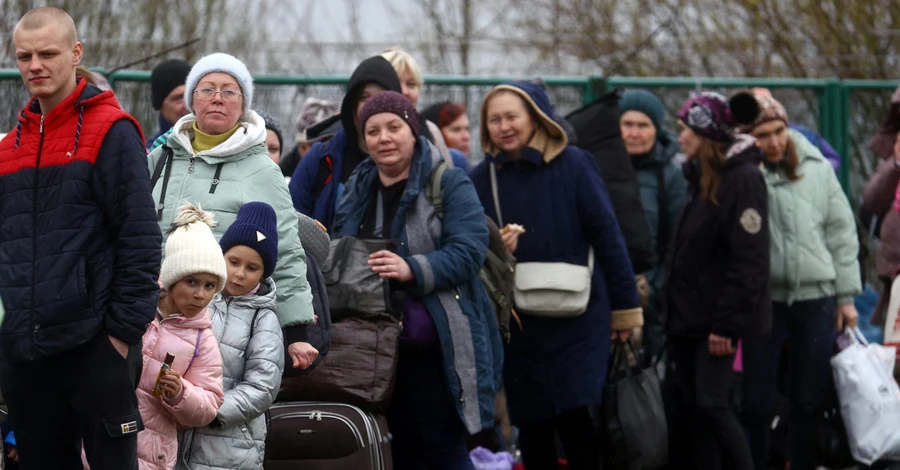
(129, 336)
(627, 319)
(174, 401)
(424, 275)
(725, 332)
(296, 334)
(845, 300)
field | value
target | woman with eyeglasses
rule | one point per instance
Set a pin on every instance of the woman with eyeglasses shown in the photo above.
(216, 158)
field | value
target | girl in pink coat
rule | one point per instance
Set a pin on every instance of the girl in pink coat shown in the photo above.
(192, 273)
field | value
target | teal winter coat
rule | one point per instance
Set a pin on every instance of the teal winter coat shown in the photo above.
(659, 172)
(814, 244)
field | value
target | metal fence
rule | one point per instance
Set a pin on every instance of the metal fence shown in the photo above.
(846, 112)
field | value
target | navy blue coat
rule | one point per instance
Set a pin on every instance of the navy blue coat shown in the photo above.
(79, 244)
(304, 182)
(553, 364)
(445, 254)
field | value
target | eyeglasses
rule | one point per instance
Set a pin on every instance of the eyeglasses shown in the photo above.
(208, 94)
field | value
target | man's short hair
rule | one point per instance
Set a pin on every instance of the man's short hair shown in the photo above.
(43, 16)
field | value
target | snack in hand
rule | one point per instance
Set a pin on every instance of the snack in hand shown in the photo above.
(513, 228)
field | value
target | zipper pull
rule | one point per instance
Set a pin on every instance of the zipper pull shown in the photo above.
(191, 166)
(42, 123)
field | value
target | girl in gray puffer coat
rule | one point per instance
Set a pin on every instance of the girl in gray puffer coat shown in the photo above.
(250, 339)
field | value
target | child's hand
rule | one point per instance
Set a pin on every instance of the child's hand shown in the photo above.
(13, 455)
(303, 354)
(171, 384)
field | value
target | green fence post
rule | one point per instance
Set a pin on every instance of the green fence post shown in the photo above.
(834, 125)
(592, 87)
(842, 121)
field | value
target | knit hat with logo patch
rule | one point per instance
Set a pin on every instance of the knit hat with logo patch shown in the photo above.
(256, 227)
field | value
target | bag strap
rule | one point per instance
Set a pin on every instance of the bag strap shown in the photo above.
(196, 350)
(253, 322)
(495, 192)
(160, 164)
(433, 190)
(168, 153)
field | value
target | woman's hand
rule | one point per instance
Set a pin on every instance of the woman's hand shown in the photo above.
(846, 316)
(171, 384)
(390, 265)
(622, 335)
(303, 354)
(510, 239)
(720, 346)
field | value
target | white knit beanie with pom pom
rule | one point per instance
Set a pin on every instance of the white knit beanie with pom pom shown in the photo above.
(192, 248)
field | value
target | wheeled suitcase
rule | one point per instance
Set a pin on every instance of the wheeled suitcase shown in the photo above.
(326, 436)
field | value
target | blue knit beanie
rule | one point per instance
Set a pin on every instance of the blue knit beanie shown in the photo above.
(645, 102)
(255, 227)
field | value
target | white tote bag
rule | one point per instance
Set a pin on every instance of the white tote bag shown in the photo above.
(869, 397)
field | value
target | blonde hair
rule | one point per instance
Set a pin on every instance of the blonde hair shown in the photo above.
(402, 61)
(45, 16)
(85, 73)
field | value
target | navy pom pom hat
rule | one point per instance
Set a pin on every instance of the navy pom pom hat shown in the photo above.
(256, 227)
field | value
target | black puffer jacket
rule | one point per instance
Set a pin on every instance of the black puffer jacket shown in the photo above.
(718, 280)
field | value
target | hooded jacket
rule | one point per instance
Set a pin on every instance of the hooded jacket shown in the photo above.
(319, 179)
(79, 243)
(556, 192)
(246, 174)
(446, 254)
(198, 361)
(812, 231)
(252, 363)
(718, 279)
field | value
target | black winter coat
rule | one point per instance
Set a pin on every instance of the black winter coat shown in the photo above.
(718, 280)
(597, 128)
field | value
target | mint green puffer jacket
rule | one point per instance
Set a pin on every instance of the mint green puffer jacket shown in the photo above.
(247, 174)
(814, 242)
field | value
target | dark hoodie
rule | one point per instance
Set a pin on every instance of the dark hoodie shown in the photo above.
(718, 280)
(312, 185)
(372, 70)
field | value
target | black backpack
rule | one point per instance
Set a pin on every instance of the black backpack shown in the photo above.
(498, 272)
(597, 127)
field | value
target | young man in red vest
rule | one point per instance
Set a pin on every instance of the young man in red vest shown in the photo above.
(79, 259)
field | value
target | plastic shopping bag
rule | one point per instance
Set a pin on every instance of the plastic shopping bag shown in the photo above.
(869, 398)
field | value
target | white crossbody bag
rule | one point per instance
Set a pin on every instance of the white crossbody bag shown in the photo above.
(558, 290)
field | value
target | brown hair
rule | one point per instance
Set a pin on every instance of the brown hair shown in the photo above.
(449, 113)
(711, 156)
(791, 160)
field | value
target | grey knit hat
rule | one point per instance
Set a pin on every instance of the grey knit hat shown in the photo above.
(313, 111)
(313, 238)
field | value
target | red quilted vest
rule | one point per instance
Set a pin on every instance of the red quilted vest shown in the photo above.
(73, 130)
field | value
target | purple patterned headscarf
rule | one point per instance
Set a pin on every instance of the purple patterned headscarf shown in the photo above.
(713, 116)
